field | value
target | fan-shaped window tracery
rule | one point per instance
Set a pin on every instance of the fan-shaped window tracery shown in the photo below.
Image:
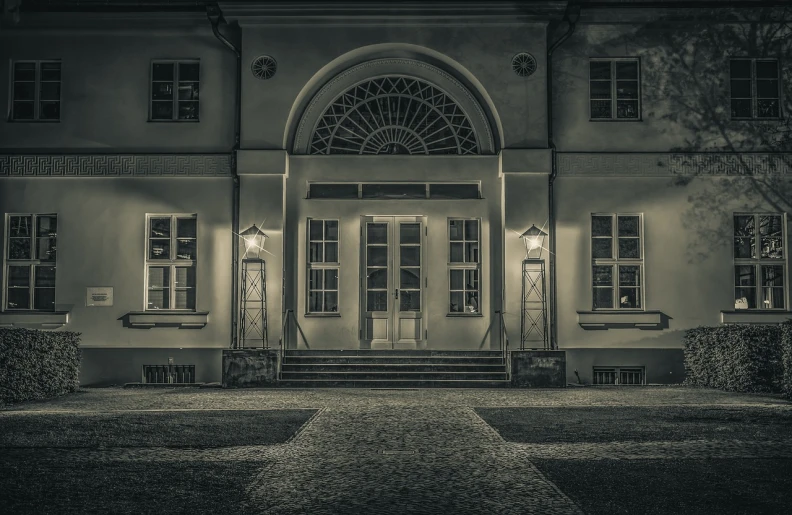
(394, 115)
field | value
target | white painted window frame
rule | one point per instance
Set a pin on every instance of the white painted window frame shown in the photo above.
(322, 265)
(31, 263)
(759, 262)
(755, 91)
(615, 261)
(175, 100)
(37, 91)
(172, 263)
(464, 265)
(613, 86)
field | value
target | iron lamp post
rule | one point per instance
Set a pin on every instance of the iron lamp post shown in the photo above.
(253, 313)
(533, 302)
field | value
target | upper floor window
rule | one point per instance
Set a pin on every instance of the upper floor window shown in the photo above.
(464, 266)
(617, 261)
(170, 261)
(30, 261)
(755, 88)
(323, 266)
(759, 261)
(174, 91)
(614, 89)
(36, 91)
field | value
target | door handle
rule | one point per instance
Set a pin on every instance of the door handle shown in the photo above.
(396, 293)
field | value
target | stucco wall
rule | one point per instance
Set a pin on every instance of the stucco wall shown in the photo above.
(101, 242)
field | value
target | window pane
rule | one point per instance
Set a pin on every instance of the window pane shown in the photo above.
(410, 233)
(49, 91)
(331, 279)
(315, 252)
(457, 282)
(331, 252)
(771, 231)
(410, 256)
(626, 109)
(333, 191)
(627, 89)
(186, 227)
(330, 301)
(454, 191)
(457, 252)
(741, 89)
(25, 71)
(457, 304)
(471, 252)
(158, 277)
(471, 230)
(159, 249)
(741, 108)
(162, 71)
(315, 279)
(600, 109)
(629, 298)
(377, 301)
(18, 298)
(772, 298)
(46, 226)
(185, 299)
(740, 68)
(377, 278)
(159, 299)
(601, 248)
(159, 227)
(162, 91)
(49, 111)
(185, 249)
(19, 248)
(455, 232)
(410, 301)
(331, 230)
(601, 226)
(23, 110)
(410, 278)
(44, 277)
(21, 226)
(377, 233)
(471, 280)
(773, 275)
(315, 230)
(471, 302)
(45, 249)
(766, 69)
(744, 231)
(162, 110)
(188, 71)
(628, 226)
(188, 91)
(44, 299)
(395, 191)
(767, 109)
(629, 276)
(188, 110)
(315, 301)
(185, 277)
(603, 275)
(767, 88)
(600, 69)
(629, 248)
(24, 91)
(377, 256)
(745, 298)
(603, 298)
(19, 276)
(600, 89)
(745, 275)
(51, 71)
(627, 70)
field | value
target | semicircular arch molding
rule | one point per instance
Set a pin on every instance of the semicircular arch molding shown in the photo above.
(394, 105)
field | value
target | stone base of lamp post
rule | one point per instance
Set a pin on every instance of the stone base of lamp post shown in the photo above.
(250, 368)
(538, 368)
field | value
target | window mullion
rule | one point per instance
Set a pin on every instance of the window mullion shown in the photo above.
(36, 85)
(754, 95)
(613, 90)
(175, 115)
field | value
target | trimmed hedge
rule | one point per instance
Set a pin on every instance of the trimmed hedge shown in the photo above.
(38, 364)
(786, 358)
(737, 358)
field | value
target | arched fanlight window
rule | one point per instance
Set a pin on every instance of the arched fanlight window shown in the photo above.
(394, 115)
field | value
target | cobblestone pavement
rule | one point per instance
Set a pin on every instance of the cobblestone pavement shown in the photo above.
(406, 451)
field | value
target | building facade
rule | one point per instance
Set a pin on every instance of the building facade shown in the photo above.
(393, 154)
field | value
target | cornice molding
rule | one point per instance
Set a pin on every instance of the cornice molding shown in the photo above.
(115, 165)
(581, 164)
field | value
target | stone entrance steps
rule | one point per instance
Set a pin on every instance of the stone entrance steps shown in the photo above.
(393, 369)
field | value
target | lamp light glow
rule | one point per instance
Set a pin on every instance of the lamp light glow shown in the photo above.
(254, 239)
(533, 239)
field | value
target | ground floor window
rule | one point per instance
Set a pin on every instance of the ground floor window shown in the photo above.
(617, 261)
(759, 261)
(464, 266)
(171, 250)
(30, 261)
(323, 266)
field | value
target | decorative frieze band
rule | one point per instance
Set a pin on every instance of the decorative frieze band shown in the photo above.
(115, 165)
(665, 164)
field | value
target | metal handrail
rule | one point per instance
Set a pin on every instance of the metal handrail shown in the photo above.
(504, 338)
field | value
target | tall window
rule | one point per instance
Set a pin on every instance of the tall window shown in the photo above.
(174, 90)
(170, 261)
(614, 89)
(755, 88)
(617, 261)
(36, 91)
(464, 273)
(30, 261)
(759, 261)
(323, 266)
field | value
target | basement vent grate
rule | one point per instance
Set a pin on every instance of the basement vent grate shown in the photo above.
(619, 375)
(168, 374)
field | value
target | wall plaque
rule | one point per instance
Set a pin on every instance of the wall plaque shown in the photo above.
(99, 296)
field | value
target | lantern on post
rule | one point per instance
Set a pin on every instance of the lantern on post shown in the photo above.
(253, 313)
(533, 303)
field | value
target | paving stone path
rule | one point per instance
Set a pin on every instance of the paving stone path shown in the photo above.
(396, 459)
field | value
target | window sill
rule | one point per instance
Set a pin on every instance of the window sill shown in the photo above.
(620, 319)
(173, 121)
(322, 315)
(615, 119)
(11, 120)
(755, 316)
(180, 319)
(464, 315)
(34, 319)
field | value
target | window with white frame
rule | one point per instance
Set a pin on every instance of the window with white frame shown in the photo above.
(174, 90)
(755, 88)
(36, 91)
(464, 266)
(323, 266)
(614, 89)
(759, 261)
(170, 261)
(30, 261)
(617, 261)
